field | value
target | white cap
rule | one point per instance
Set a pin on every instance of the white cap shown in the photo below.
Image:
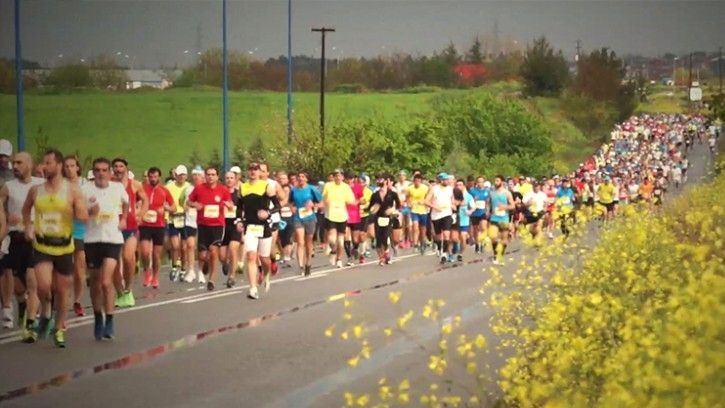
(236, 169)
(130, 175)
(486, 184)
(181, 169)
(90, 176)
(6, 148)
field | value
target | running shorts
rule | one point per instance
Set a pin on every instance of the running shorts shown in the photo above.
(443, 224)
(209, 236)
(63, 264)
(421, 219)
(308, 225)
(96, 252)
(153, 234)
(337, 226)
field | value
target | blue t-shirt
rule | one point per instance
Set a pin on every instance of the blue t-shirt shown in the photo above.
(464, 219)
(567, 193)
(479, 194)
(301, 196)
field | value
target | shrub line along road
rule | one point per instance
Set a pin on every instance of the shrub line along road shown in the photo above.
(183, 346)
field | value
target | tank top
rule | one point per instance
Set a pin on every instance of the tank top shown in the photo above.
(54, 221)
(131, 223)
(499, 198)
(17, 193)
(442, 198)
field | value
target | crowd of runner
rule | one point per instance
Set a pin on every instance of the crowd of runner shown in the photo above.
(57, 227)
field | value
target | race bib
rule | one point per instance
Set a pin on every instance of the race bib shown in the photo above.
(150, 217)
(383, 221)
(50, 223)
(256, 231)
(275, 218)
(211, 211)
(337, 211)
(304, 212)
(481, 204)
(658, 192)
(454, 217)
(230, 213)
(106, 216)
(500, 213)
(178, 221)
(286, 212)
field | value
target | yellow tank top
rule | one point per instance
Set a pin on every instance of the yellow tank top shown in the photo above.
(54, 221)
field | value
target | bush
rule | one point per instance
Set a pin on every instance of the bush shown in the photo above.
(634, 325)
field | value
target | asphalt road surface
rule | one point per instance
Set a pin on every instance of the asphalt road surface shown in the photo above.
(182, 346)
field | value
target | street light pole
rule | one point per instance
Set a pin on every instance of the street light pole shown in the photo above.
(322, 31)
(20, 111)
(225, 91)
(289, 71)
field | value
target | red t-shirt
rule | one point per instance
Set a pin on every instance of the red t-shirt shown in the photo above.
(157, 196)
(213, 199)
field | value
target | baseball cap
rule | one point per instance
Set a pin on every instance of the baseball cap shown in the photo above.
(337, 171)
(443, 176)
(486, 184)
(181, 169)
(197, 170)
(90, 175)
(236, 169)
(6, 148)
(402, 173)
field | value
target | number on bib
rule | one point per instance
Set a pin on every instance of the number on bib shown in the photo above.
(383, 221)
(50, 223)
(178, 221)
(286, 212)
(304, 213)
(500, 213)
(106, 216)
(150, 217)
(481, 204)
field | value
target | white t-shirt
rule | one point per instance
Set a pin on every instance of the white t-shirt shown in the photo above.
(103, 227)
(17, 193)
(442, 197)
(535, 201)
(190, 214)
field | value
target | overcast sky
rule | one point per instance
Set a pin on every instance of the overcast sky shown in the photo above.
(157, 32)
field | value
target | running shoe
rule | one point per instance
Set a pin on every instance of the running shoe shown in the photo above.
(338, 264)
(202, 279)
(98, 329)
(333, 260)
(225, 268)
(444, 259)
(460, 258)
(155, 283)
(308, 270)
(349, 262)
(174, 274)
(78, 309)
(59, 338)
(29, 336)
(8, 322)
(190, 276)
(253, 293)
(231, 283)
(450, 258)
(44, 325)
(210, 286)
(267, 282)
(361, 259)
(274, 267)
(108, 330)
(147, 278)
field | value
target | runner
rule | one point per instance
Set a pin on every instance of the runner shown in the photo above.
(175, 219)
(535, 202)
(565, 198)
(72, 172)
(355, 225)
(18, 276)
(108, 206)
(232, 238)
(253, 217)
(440, 201)
(502, 203)
(367, 219)
(190, 231)
(210, 200)
(336, 196)
(138, 204)
(56, 203)
(305, 199)
(481, 196)
(406, 226)
(275, 219)
(286, 233)
(153, 226)
(606, 197)
(466, 207)
(419, 212)
(383, 205)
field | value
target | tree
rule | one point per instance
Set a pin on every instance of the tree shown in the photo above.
(600, 76)
(71, 76)
(106, 73)
(544, 71)
(474, 55)
(450, 55)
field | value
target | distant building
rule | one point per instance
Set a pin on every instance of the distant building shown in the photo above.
(138, 78)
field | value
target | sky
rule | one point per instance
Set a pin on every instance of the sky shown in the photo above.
(154, 33)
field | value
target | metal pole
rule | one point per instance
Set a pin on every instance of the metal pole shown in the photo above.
(20, 111)
(323, 31)
(689, 85)
(289, 71)
(225, 91)
(719, 68)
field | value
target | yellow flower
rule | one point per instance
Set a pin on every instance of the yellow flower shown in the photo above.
(347, 316)
(353, 361)
(329, 331)
(471, 367)
(437, 364)
(404, 319)
(595, 298)
(357, 331)
(394, 297)
(388, 331)
(404, 385)
(344, 335)
(446, 329)
(363, 400)
(480, 342)
(403, 398)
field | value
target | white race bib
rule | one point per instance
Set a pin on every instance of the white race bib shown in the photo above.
(500, 213)
(230, 213)
(383, 221)
(480, 204)
(50, 223)
(304, 213)
(211, 211)
(178, 221)
(286, 212)
(275, 218)
(150, 217)
(256, 231)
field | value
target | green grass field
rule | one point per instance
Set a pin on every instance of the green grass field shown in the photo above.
(164, 128)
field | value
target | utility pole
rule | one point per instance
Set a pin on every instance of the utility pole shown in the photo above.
(20, 111)
(289, 72)
(689, 84)
(225, 91)
(578, 50)
(719, 68)
(322, 31)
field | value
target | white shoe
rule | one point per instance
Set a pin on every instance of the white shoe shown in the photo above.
(253, 293)
(202, 279)
(551, 235)
(328, 250)
(333, 260)
(8, 322)
(190, 276)
(267, 282)
(338, 264)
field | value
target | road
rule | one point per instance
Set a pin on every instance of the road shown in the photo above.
(182, 346)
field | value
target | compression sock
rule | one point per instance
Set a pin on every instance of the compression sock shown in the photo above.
(348, 248)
